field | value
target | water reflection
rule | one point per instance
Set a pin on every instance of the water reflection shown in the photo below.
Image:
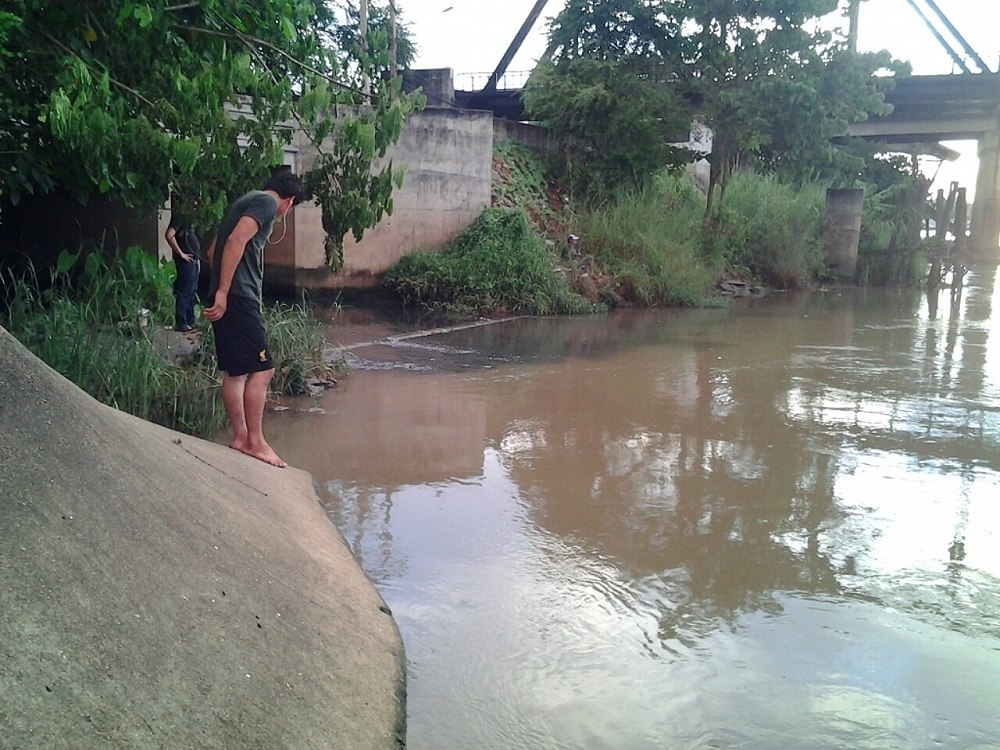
(774, 525)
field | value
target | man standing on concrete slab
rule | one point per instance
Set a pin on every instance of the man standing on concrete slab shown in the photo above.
(236, 296)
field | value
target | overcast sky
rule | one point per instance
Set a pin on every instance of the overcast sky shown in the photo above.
(471, 36)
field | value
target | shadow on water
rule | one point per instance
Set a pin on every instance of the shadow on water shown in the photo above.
(770, 525)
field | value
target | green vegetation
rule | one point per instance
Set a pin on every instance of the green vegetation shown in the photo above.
(770, 231)
(774, 88)
(521, 180)
(96, 323)
(299, 347)
(617, 119)
(890, 250)
(650, 239)
(645, 247)
(167, 80)
(498, 264)
(763, 76)
(649, 242)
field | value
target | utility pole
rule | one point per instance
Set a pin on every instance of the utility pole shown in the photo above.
(363, 32)
(393, 40)
(853, 12)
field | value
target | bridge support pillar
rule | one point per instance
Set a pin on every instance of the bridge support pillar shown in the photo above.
(842, 230)
(986, 208)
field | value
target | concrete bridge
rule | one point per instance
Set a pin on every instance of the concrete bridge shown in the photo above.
(950, 107)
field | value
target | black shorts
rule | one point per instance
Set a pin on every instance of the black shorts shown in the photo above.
(240, 341)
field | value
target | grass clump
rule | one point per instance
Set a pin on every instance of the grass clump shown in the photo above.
(648, 241)
(499, 264)
(94, 322)
(299, 347)
(771, 231)
(653, 242)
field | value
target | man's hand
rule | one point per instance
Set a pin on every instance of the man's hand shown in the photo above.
(218, 308)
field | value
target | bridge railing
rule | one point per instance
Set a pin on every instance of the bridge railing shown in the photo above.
(513, 79)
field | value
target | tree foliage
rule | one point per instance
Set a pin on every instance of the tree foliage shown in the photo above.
(139, 99)
(623, 121)
(763, 75)
(604, 88)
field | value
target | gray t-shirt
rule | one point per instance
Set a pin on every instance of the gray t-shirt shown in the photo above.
(248, 280)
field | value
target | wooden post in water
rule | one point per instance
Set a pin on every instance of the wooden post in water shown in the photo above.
(937, 246)
(960, 246)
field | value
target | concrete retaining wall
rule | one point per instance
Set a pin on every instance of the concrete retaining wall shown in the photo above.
(448, 156)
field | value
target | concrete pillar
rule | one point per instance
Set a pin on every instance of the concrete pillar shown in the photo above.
(985, 229)
(842, 230)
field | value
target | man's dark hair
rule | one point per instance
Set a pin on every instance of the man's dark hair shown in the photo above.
(287, 185)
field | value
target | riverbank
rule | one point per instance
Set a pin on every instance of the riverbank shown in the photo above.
(167, 591)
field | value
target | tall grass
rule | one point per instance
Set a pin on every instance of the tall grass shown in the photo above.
(92, 319)
(771, 231)
(650, 241)
(498, 264)
(299, 347)
(653, 240)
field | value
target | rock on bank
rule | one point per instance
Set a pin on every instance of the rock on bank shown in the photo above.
(160, 591)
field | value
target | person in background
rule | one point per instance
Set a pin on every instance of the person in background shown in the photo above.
(183, 241)
(572, 249)
(234, 307)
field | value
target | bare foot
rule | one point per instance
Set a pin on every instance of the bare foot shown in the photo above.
(264, 453)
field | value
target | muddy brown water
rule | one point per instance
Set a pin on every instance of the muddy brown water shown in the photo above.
(771, 526)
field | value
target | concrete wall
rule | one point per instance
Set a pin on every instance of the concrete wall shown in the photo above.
(161, 591)
(534, 137)
(448, 156)
(986, 209)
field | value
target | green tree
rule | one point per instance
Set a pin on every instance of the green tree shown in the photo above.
(761, 74)
(619, 123)
(132, 99)
(757, 69)
(603, 86)
(808, 122)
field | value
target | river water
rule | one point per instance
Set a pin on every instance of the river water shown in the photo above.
(775, 525)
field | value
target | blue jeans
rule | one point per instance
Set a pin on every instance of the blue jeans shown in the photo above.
(185, 289)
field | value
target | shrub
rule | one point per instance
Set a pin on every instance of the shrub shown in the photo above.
(498, 264)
